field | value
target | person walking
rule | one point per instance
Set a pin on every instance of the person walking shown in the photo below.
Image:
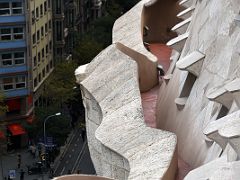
(83, 133)
(19, 160)
(22, 175)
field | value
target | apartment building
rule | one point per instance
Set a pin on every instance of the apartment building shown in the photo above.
(26, 61)
(71, 18)
(41, 44)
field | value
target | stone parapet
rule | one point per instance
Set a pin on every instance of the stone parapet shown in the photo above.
(121, 145)
(127, 33)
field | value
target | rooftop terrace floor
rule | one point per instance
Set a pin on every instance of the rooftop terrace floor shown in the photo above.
(149, 99)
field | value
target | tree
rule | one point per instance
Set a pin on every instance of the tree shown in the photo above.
(126, 4)
(101, 30)
(57, 127)
(3, 107)
(86, 50)
(59, 86)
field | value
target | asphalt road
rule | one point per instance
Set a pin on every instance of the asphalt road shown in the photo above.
(76, 157)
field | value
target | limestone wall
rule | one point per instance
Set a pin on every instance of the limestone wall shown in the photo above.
(214, 33)
(121, 145)
(201, 90)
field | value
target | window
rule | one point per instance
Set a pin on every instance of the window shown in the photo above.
(34, 38)
(5, 34)
(58, 5)
(35, 83)
(45, 7)
(43, 54)
(43, 73)
(9, 59)
(6, 59)
(35, 61)
(20, 82)
(42, 31)
(19, 58)
(59, 31)
(4, 8)
(50, 46)
(46, 49)
(50, 24)
(49, 4)
(47, 68)
(46, 28)
(41, 10)
(33, 17)
(17, 8)
(38, 36)
(17, 33)
(39, 57)
(37, 12)
(11, 8)
(51, 64)
(8, 84)
(39, 77)
(8, 34)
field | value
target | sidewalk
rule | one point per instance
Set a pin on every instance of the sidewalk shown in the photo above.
(9, 162)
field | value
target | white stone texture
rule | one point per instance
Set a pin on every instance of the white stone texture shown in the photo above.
(121, 145)
(181, 27)
(187, 13)
(178, 42)
(127, 30)
(127, 33)
(111, 82)
(214, 32)
(192, 63)
(218, 169)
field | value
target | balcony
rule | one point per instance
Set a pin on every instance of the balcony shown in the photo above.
(12, 19)
(4, 45)
(16, 93)
(13, 69)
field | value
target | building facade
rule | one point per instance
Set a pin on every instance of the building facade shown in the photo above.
(192, 129)
(26, 59)
(71, 18)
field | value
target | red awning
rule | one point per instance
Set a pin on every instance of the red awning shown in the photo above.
(2, 135)
(16, 129)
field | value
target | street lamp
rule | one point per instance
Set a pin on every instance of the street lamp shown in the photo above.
(44, 125)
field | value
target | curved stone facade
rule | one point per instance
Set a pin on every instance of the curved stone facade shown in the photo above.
(199, 98)
(119, 141)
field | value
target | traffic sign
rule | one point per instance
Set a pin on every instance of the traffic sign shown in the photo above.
(12, 174)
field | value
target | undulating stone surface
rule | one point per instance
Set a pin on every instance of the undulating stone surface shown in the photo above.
(121, 145)
(198, 101)
(213, 32)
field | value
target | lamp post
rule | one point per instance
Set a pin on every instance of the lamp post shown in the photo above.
(44, 125)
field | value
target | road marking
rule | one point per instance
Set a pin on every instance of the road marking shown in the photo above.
(79, 156)
(62, 170)
(82, 154)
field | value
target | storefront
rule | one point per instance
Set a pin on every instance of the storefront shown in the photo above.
(16, 136)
